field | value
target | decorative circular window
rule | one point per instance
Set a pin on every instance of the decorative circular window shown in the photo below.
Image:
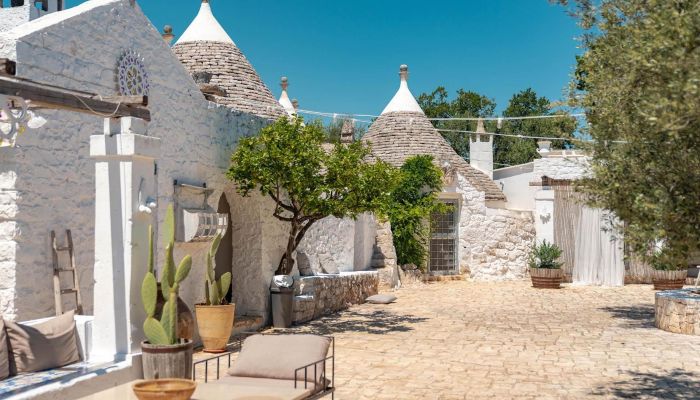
(132, 75)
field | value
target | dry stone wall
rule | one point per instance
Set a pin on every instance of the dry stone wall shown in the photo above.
(316, 296)
(678, 311)
(493, 242)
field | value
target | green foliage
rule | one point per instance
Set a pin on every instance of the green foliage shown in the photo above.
(545, 255)
(163, 332)
(287, 162)
(215, 291)
(639, 83)
(515, 151)
(467, 104)
(414, 199)
(507, 150)
(334, 128)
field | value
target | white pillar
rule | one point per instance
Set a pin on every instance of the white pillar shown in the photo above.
(124, 164)
(544, 215)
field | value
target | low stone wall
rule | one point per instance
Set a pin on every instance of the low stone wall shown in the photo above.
(316, 296)
(678, 311)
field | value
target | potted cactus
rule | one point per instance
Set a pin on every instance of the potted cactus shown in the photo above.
(545, 268)
(215, 316)
(164, 353)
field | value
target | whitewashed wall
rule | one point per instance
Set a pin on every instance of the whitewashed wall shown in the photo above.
(515, 184)
(47, 181)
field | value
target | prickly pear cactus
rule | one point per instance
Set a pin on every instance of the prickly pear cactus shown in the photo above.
(215, 291)
(163, 331)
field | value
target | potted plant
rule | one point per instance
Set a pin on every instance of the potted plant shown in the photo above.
(215, 316)
(545, 269)
(668, 273)
(164, 353)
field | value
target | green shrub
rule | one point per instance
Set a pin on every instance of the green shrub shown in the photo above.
(413, 200)
(545, 255)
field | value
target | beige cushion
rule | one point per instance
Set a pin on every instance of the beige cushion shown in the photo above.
(4, 354)
(46, 345)
(265, 382)
(277, 356)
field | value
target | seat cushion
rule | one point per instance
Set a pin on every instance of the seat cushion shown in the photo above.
(265, 382)
(278, 356)
(50, 344)
(4, 354)
(381, 299)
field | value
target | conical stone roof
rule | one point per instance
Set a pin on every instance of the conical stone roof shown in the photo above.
(403, 131)
(205, 46)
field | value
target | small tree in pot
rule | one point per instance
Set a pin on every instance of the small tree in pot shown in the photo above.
(165, 355)
(545, 269)
(215, 316)
(287, 162)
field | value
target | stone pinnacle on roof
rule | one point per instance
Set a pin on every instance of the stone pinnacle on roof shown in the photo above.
(205, 28)
(206, 47)
(284, 98)
(403, 100)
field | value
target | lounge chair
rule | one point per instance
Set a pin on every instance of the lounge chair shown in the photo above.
(284, 360)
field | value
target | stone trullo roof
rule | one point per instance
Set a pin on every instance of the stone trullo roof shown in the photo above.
(205, 46)
(403, 131)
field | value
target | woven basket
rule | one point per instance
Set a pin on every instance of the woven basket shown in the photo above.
(668, 280)
(545, 278)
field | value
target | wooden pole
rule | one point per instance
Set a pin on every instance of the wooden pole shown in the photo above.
(42, 96)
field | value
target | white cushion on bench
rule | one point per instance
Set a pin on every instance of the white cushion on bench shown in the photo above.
(265, 382)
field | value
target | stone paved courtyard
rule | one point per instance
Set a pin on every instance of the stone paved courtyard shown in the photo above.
(465, 340)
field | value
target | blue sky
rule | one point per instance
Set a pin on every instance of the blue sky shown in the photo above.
(343, 56)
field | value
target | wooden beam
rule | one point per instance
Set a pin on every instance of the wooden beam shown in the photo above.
(7, 67)
(47, 97)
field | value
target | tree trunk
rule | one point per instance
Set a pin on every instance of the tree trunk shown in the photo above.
(287, 262)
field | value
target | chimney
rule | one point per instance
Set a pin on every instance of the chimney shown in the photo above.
(168, 34)
(347, 132)
(295, 104)
(481, 150)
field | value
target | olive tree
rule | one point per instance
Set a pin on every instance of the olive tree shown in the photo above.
(639, 83)
(288, 163)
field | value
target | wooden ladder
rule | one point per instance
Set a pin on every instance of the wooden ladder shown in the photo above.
(58, 292)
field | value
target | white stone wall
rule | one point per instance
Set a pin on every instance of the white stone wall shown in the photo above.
(561, 166)
(493, 242)
(13, 16)
(47, 182)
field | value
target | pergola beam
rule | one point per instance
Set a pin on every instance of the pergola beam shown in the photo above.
(43, 96)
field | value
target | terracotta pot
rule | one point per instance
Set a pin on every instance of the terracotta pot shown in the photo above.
(668, 280)
(167, 361)
(185, 318)
(215, 324)
(546, 278)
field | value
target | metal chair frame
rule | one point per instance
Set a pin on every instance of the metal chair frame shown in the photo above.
(316, 365)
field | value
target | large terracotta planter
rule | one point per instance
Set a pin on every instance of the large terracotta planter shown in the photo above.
(668, 280)
(215, 324)
(167, 361)
(546, 278)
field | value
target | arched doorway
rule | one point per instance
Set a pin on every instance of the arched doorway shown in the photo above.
(224, 256)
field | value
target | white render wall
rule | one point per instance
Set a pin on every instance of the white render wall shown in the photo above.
(493, 242)
(515, 184)
(47, 182)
